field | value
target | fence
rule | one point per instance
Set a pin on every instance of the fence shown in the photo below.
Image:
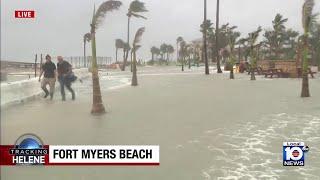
(85, 62)
(26, 70)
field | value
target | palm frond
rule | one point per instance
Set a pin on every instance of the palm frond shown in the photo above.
(254, 36)
(138, 35)
(137, 6)
(119, 43)
(135, 48)
(179, 39)
(137, 15)
(307, 14)
(126, 47)
(103, 9)
(87, 37)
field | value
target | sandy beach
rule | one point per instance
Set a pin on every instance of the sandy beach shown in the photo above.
(208, 127)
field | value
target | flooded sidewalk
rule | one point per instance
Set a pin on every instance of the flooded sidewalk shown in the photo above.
(208, 127)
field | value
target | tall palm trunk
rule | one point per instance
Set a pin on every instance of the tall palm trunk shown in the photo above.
(253, 76)
(152, 57)
(182, 63)
(131, 62)
(128, 41)
(134, 81)
(116, 54)
(217, 38)
(205, 39)
(177, 52)
(239, 54)
(124, 55)
(84, 53)
(305, 65)
(318, 57)
(97, 106)
(231, 73)
(253, 64)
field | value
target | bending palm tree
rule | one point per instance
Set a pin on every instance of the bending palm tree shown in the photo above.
(119, 45)
(307, 17)
(98, 17)
(135, 46)
(135, 8)
(86, 38)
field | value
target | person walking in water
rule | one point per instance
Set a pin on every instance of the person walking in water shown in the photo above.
(64, 73)
(48, 69)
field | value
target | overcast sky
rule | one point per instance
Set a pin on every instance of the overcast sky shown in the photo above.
(60, 24)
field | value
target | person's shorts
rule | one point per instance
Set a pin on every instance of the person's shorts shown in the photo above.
(50, 81)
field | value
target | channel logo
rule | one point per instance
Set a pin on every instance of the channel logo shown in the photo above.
(28, 150)
(294, 153)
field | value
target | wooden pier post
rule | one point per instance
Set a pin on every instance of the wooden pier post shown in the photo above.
(35, 66)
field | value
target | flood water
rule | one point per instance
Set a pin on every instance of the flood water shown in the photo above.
(208, 127)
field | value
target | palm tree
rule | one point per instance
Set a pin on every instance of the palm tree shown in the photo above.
(307, 18)
(197, 51)
(179, 40)
(232, 39)
(290, 39)
(189, 52)
(136, 46)
(86, 38)
(242, 42)
(126, 48)
(205, 50)
(253, 52)
(98, 17)
(163, 50)
(170, 50)
(278, 26)
(119, 45)
(217, 38)
(182, 53)
(153, 51)
(315, 43)
(135, 8)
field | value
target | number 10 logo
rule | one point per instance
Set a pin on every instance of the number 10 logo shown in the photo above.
(293, 153)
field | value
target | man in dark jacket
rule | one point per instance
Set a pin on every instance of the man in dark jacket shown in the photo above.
(64, 70)
(48, 69)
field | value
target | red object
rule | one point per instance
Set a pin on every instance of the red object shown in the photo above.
(6, 157)
(295, 153)
(6, 160)
(24, 14)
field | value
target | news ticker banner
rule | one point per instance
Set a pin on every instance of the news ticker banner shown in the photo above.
(80, 155)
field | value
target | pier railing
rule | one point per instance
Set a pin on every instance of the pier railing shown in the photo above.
(32, 69)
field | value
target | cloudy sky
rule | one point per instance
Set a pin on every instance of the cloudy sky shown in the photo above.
(60, 24)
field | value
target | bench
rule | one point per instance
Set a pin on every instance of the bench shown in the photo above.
(275, 72)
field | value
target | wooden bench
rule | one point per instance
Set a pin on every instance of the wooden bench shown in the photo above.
(274, 72)
(257, 70)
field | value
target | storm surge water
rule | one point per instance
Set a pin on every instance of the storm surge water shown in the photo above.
(254, 150)
(207, 127)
